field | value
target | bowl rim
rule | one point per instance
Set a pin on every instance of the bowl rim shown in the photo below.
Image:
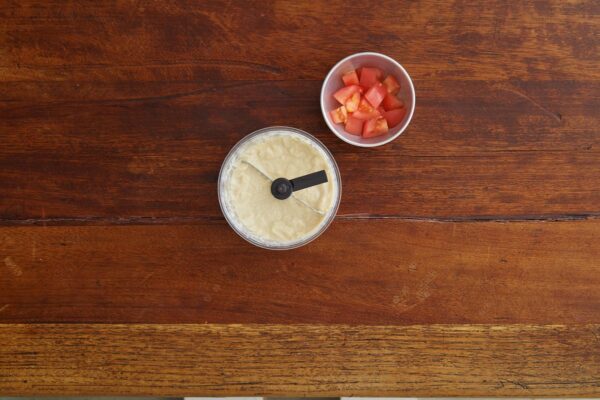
(232, 152)
(412, 92)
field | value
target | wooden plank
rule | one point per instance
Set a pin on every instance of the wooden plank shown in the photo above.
(551, 40)
(156, 150)
(380, 272)
(133, 115)
(304, 360)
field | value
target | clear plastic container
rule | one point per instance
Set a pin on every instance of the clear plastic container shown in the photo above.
(226, 199)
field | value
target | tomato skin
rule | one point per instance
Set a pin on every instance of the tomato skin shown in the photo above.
(391, 84)
(365, 116)
(352, 102)
(391, 102)
(394, 117)
(369, 76)
(354, 126)
(375, 127)
(350, 78)
(339, 115)
(376, 94)
(366, 111)
(344, 93)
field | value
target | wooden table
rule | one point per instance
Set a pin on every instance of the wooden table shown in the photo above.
(465, 259)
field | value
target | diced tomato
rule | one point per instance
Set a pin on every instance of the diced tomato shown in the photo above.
(339, 115)
(366, 111)
(391, 84)
(370, 76)
(391, 102)
(375, 127)
(352, 102)
(354, 126)
(394, 117)
(366, 115)
(344, 93)
(365, 105)
(350, 78)
(376, 94)
(370, 106)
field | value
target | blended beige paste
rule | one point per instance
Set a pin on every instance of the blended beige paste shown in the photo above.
(247, 185)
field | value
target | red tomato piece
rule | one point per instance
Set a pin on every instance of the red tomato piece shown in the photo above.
(345, 93)
(394, 117)
(391, 102)
(352, 102)
(376, 94)
(354, 126)
(365, 106)
(366, 111)
(370, 76)
(350, 78)
(391, 84)
(339, 115)
(375, 127)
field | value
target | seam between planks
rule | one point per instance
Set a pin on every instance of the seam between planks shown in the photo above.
(138, 220)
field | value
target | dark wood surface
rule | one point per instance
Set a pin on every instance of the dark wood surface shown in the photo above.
(115, 117)
(383, 272)
(127, 109)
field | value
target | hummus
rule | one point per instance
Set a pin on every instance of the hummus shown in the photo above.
(246, 188)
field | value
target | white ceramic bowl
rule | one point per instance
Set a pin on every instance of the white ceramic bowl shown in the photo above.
(333, 82)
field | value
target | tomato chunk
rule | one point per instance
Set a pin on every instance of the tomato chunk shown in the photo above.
(345, 93)
(375, 127)
(391, 102)
(394, 117)
(339, 115)
(350, 78)
(391, 84)
(366, 111)
(352, 102)
(354, 126)
(363, 89)
(370, 105)
(376, 94)
(370, 76)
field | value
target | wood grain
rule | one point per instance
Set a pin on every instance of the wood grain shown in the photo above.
(381, 272)
(160, 157)
(291, 360)
(465, 40)
(115, 117)
(132, 115)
